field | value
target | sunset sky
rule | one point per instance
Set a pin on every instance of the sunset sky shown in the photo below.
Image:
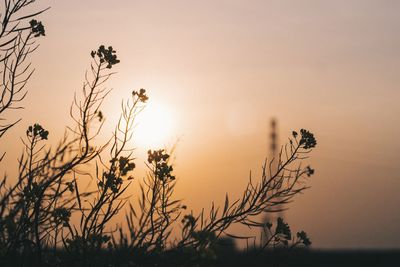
(216, 73)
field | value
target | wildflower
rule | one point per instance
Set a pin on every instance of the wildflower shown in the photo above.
(304, 238)
(37, 131)
(125, 166)
(112, 181)
(100, 116)
(307, 139)
(37, 28)
(106, 56)
(309, 171)
(141, 95)
(62, 215)
(283, 229)
(159, 159)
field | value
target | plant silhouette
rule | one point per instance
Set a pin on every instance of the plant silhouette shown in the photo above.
(46, 219)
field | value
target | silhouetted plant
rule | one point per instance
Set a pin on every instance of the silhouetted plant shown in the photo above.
(150, 226)
(273, 190)
(38, 208)
(17, 42)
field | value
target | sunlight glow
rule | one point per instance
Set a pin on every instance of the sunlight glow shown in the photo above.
(155, 126)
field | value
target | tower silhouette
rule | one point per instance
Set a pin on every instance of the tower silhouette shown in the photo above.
(273, 144)
(273, 139)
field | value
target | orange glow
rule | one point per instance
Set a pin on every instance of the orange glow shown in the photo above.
(328, 66)
(154, 126)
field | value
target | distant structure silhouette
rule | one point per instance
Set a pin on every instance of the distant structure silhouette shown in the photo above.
(273, 153)
(273, 137)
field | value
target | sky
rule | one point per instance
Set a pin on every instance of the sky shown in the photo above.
(218, 71)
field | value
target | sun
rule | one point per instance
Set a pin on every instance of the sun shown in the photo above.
(154, 127)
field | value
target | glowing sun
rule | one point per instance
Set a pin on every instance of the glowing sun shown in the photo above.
(155, 126)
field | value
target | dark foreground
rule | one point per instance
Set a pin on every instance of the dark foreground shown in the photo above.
(283, 258)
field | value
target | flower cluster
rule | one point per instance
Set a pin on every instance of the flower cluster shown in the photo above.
(309, 171)
(61, 216)
(100, 115)
(37, 131)
(37, 28)
(113, 178)
(125, 165)
(112, 181)
(304, 238)
(307, 139)
(160, 160)
(106, 55)
(283, 229)
(141, 95)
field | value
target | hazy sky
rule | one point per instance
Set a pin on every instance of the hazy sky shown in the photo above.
(222, 70)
